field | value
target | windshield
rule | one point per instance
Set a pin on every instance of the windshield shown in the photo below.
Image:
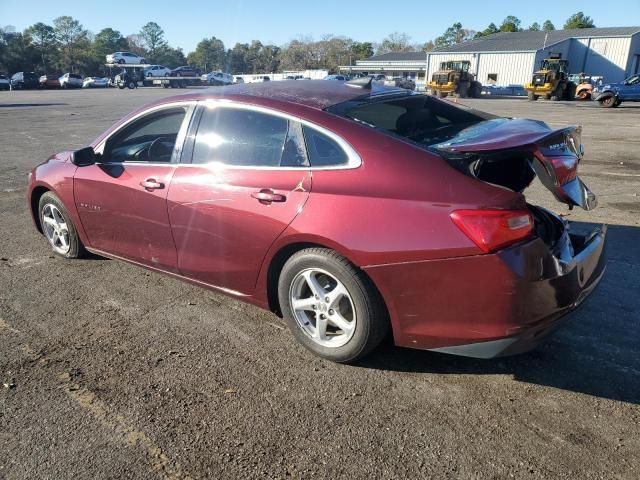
(419, 118)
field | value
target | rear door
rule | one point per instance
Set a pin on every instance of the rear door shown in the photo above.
(122, 199)
(247, 180)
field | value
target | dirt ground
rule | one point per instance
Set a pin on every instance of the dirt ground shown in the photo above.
(112, 372)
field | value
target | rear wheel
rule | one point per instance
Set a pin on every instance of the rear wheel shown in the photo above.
(583, 94)
(58, 228)
(463, 89)
(330, 306)
(532, 96)
(476, 90)
(441, 94)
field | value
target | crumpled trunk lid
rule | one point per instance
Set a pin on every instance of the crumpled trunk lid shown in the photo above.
(510, 152)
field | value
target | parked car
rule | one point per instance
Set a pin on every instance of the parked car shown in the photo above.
(126, 57)
(342, 78)
(22, 80)
(613, 94)
(403, 82)
(185, 71)
(378, 78)
(4, 83)
(215, 188)
(217, 78)
(96, 82)
(70, 80)
(49, 81)
(156, 71)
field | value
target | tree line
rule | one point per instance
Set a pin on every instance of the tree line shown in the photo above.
(66, 45)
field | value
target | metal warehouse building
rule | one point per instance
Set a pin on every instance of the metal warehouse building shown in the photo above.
(510, 58)
(506, 58)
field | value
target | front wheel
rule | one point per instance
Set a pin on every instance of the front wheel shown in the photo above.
(330, 306)
(532, 96)
(58, 228)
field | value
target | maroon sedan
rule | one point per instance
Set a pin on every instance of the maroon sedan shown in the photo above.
(348, 208)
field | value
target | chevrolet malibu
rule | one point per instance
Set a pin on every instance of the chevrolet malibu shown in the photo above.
(350, 209)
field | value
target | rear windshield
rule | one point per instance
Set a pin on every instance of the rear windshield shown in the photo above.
(419, 118)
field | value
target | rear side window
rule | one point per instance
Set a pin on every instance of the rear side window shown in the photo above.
(244, 137)
(323, 151)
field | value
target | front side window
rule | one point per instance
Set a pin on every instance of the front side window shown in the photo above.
(151, 138)
(244, 137)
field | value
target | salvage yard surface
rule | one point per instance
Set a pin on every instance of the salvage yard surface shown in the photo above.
(110, 371)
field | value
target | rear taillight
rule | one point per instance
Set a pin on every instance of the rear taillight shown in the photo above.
(565, 167)
(491, 230)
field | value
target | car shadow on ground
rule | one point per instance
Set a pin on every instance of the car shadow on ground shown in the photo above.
(19, 105)
(595, 352)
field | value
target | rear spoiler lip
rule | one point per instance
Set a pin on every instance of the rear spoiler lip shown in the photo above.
(515, 134)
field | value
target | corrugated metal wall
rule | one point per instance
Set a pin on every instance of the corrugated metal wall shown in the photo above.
(633, 64)
(510, 68)
(604, 56)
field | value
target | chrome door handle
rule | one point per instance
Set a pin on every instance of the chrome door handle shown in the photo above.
(151, 184)
(267, 195)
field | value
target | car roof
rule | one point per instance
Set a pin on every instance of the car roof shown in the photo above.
(318, 94)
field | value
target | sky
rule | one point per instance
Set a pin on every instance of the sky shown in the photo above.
(186, 22)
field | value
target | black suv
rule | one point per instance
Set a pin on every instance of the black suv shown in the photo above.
(22, 80)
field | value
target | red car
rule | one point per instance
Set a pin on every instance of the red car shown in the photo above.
(348, 208)
(49, 81)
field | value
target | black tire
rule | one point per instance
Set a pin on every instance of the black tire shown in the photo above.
(76, 248)
(463, 89)
(441, 94)
(372, 321)
(476, 90)
(608, 102)
(121, 61)
(571, 91)
(131, 85)
(557, 94)
(532, 96)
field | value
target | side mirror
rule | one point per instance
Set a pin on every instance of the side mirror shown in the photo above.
(84, 157)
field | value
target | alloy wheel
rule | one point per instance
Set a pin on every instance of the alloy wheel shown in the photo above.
(322, 307)
(55, 228)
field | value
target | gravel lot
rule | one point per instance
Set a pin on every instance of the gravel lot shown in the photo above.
(110, 371)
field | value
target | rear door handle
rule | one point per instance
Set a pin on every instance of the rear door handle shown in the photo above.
(151, 184)
(266, 196)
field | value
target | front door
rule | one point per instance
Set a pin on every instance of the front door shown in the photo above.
(122, 200)
(248, 179)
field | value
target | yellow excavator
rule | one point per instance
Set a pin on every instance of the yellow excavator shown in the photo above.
(552, 80)
(454, 78)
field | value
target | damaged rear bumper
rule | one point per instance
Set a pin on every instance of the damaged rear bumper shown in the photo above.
(496, 304)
